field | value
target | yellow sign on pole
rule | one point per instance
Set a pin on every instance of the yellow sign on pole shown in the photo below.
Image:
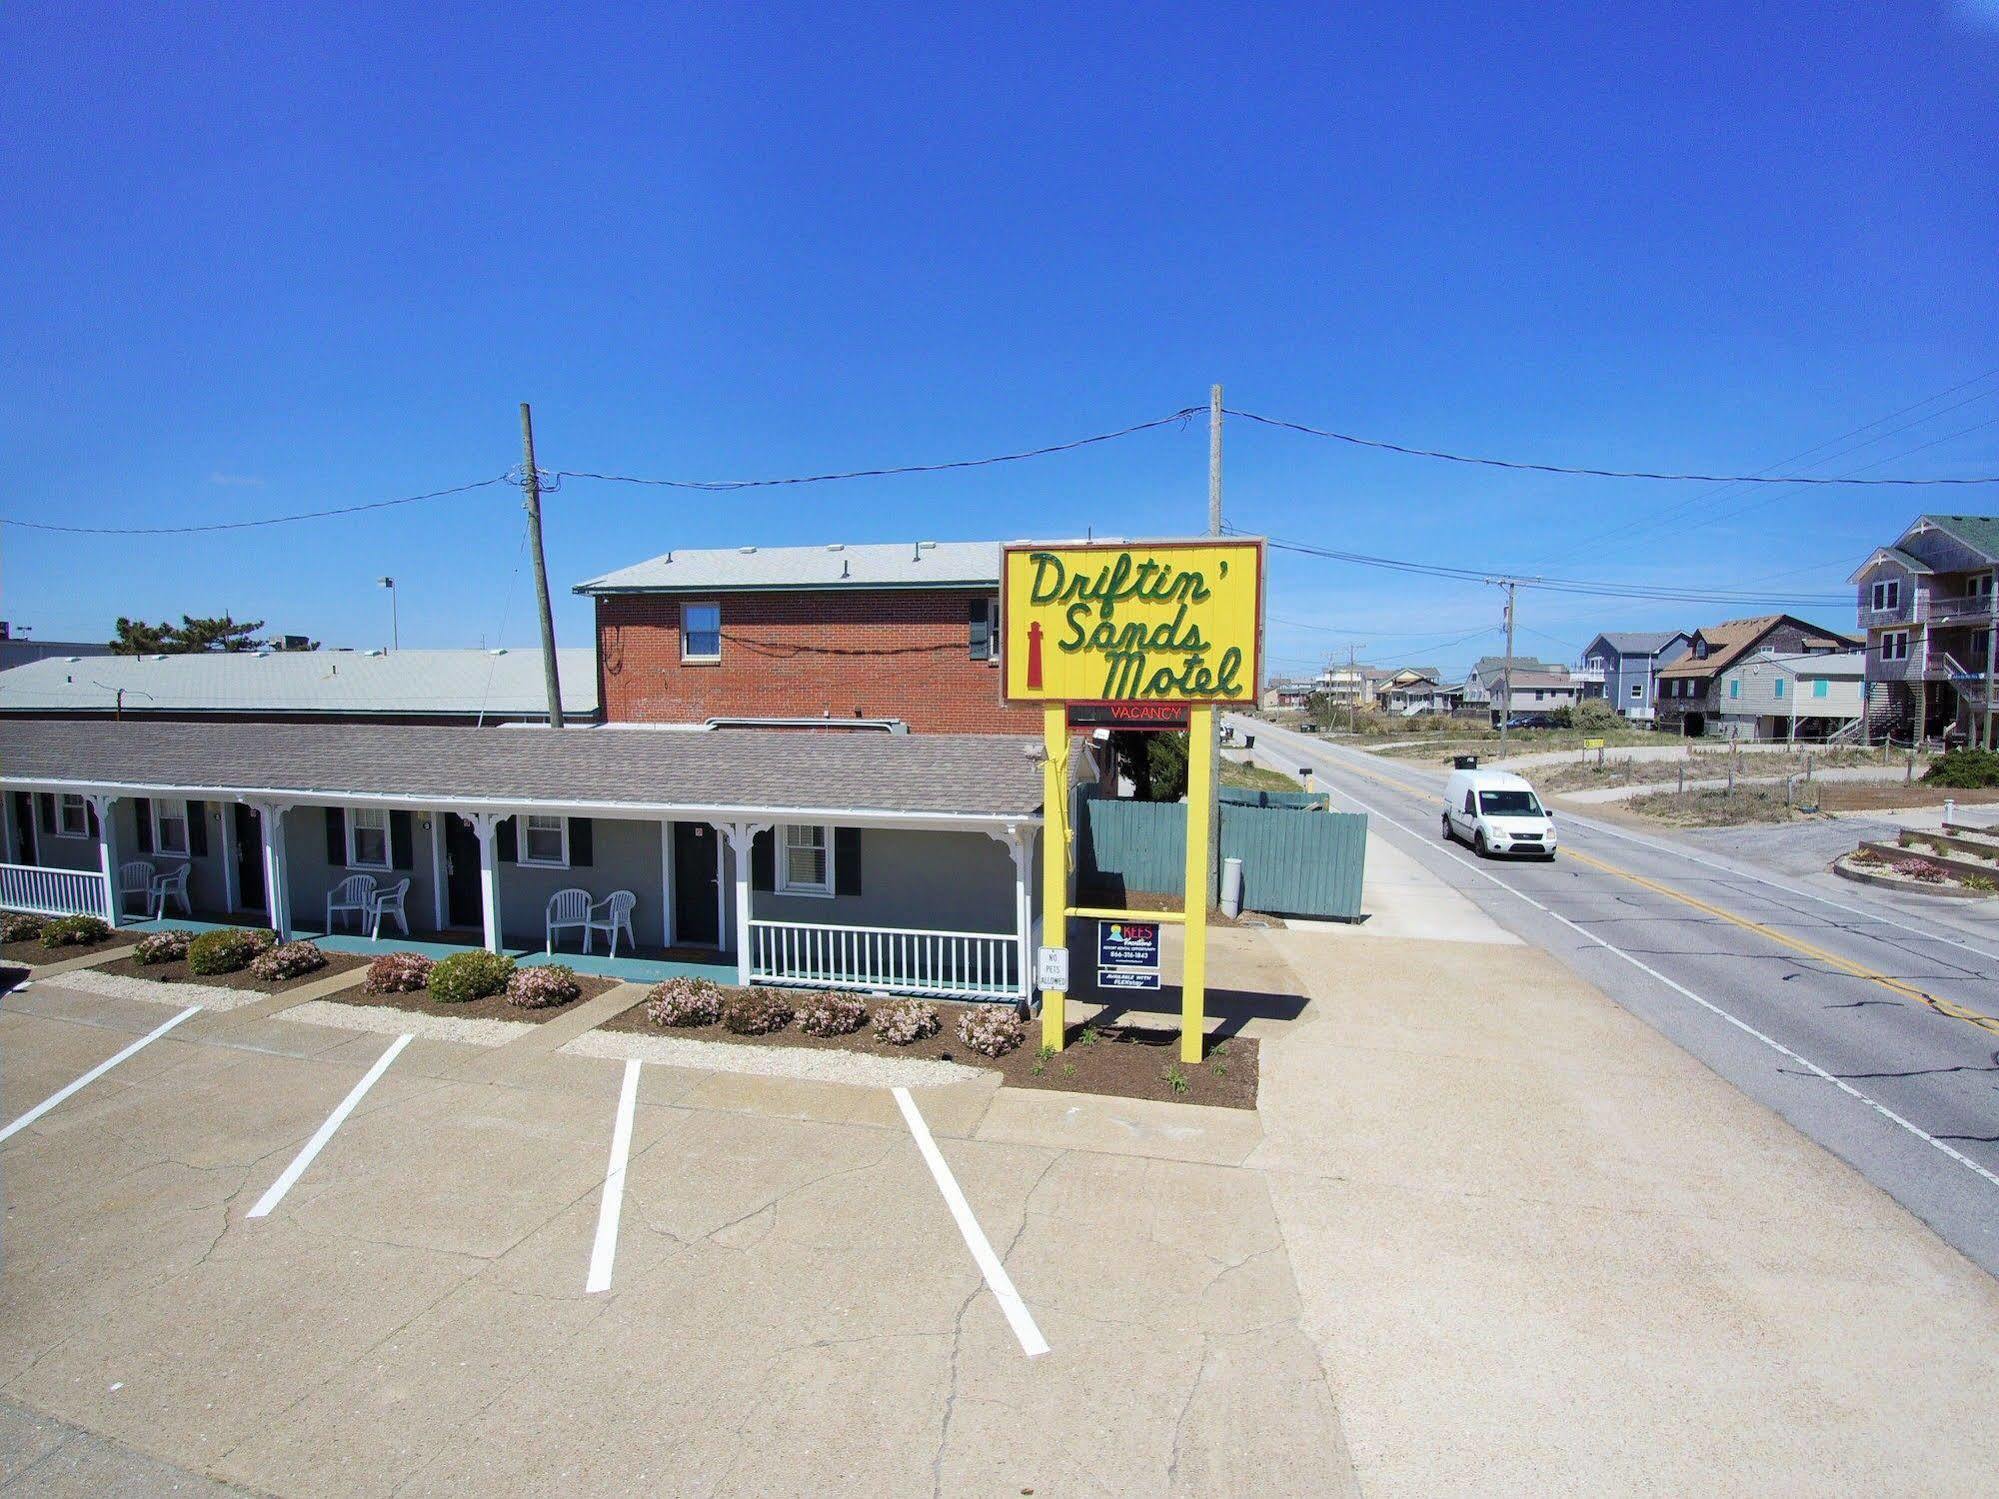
(1132, 625)
(1133, 622)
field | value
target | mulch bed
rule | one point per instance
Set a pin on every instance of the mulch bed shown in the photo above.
(1138, 900)
(492, 1007)
(31, 953)
(242, 978)
(1120, 1061)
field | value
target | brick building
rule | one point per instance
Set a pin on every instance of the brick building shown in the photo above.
(905, 632)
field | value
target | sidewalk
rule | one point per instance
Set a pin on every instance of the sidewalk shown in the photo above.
(1540, 1249)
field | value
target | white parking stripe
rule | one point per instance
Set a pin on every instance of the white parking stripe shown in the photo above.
(96, 1072)
(606, 1249)
(325, 1132)
(1001, 1284)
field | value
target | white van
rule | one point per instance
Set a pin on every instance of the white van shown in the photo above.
(1497, 813)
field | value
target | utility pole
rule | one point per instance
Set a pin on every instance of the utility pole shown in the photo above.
(531, 489)
(1214, 750)
(1506, 669)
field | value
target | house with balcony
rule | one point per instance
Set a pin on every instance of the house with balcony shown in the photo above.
(1927, 609)
(1803, 699)
(1415, 690)
(1692, 692)
(1535, 687)
(1625, 665)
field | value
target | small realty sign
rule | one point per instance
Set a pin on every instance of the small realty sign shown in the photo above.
(1127, 954)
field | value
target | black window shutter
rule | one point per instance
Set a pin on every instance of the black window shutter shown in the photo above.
(197, 829)
(763, 861)
(90, 816)
(402, 852)
(508, 848)
(336, 837)
(981, 627)
(580, 843)
(846, 861)
(47, 803)
(142, 815)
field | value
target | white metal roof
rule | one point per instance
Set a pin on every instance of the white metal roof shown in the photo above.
(460, 682)
(901, 564)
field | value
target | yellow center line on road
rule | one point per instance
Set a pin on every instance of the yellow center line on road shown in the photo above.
(1946, 1007)
(1832, 960)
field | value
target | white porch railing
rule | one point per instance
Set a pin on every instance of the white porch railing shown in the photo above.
(52, 892)
(897, 960)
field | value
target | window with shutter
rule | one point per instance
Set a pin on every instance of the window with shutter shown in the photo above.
(806, 863)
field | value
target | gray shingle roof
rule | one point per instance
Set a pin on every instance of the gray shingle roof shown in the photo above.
(1640, 642)
(333, 682)
(822, 771)
(902, 564)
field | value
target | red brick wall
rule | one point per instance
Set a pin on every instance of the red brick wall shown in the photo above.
(848, 654)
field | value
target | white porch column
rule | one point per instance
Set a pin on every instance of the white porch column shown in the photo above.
(742, 837)
(107, 852)
(1019, 841)
(277, 881)
(486, 825)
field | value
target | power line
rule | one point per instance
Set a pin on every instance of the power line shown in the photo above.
(1595, 473)
(1595, 588)
(882, 473)
(245, 525)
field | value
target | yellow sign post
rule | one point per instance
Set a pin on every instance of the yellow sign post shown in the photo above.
(1140, 632)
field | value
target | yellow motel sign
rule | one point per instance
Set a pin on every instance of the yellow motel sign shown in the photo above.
(1133, 624)
(1152, 622)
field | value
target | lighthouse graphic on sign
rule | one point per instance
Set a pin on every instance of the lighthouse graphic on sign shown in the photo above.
(1034, 654)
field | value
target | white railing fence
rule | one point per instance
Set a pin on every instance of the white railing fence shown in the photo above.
(53, 892)
(896, 960)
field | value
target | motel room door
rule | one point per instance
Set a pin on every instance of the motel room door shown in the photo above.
(249, 826)
(697, 886)
(464, 899)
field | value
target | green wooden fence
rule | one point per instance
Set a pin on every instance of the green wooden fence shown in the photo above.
(1294, 862)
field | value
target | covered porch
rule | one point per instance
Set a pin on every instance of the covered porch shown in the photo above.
(895, 896)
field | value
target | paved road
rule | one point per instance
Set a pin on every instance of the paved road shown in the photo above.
(1873, 1029)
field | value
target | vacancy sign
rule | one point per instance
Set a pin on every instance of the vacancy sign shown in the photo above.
(1133, 622)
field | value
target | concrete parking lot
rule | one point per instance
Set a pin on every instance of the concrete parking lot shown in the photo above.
(1485, 1234)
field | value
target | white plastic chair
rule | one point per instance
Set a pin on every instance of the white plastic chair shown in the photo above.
(356, 893)
(170, 886)
(389, 902)
(612, 915)
(135, 877)
(568, 908)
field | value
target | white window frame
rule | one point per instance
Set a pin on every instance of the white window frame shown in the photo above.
(686, 653)
(1895, 645)
(992, 655)
(353, 821)
(786, 885)
(64, 801)
(1887, 594)
(165, 810)
(523, 843)
(1638, 692)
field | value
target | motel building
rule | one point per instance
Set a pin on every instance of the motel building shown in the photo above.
(791, 767)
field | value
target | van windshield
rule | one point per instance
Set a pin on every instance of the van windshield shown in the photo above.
(1509, 804)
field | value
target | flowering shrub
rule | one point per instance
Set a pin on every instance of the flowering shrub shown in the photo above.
(1865, 856)
(756, 1012)
(684, 1002)
(18, 926)
(229, 949)
(905, 1021)
(398, 973)
(539, 987)
(831, 1015)
(74, 931)
(164, 947)
(288, 960)
(1916, 869)
(467, 976)
(991, 1031)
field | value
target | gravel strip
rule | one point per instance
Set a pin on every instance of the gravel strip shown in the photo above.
(772, 1061)
(124, 986)
(386, 1020)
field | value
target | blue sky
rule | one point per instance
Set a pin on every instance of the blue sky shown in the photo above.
(257, 264)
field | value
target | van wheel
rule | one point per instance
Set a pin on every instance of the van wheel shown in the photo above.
(1478, 844)
(1447, 828)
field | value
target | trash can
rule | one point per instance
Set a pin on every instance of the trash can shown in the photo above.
(1464, 762)
(1249, 741)
(1232, 888)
